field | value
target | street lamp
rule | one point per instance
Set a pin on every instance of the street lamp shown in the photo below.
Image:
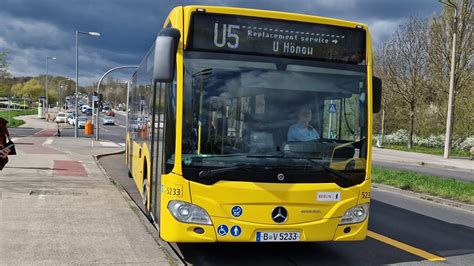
(60, 89)
(90, 33)
(98, 93)
(449, 119)
(47, 103)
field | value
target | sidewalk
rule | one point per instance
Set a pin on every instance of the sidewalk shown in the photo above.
(58, 207)
(414, 158)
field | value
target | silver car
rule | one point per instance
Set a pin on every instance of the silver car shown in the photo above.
(108, 120)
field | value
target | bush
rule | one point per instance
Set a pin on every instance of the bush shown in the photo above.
(432, 141)
(466, 144)
(400, 137)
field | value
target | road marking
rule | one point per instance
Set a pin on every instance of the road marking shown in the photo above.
(415, 251)
(120, 125)
(48, 141)
(108, 144)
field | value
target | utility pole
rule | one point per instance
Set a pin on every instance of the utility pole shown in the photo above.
(449, 119)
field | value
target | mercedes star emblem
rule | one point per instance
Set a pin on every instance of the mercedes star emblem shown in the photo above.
(281, 177)
(279, 215)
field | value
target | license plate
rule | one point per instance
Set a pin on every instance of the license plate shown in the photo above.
(278, 236)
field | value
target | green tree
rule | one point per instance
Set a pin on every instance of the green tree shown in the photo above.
(32, 89)
(17, 89)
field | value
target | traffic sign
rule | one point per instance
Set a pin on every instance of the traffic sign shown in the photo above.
(332, 108)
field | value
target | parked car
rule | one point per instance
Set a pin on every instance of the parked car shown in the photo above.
(81, 121)
(61, 118)
(85, 107)
(88, 111)
(71, 119)
(108, 120)
(133, 125)
(110, 113)
(105, 109)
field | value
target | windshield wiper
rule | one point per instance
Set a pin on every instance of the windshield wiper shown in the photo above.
(266, 156)
(337, 173)
(209, 156)
(210, 172)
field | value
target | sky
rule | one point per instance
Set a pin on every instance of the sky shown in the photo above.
(32, 30)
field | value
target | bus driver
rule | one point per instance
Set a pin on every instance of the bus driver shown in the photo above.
(303, 131)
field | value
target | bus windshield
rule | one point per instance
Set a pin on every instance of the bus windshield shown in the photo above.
(272, 114)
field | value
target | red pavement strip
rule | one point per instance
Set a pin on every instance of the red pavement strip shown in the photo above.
(46, 133)
(68, 168)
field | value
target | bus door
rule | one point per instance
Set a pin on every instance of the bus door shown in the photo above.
(158, 144)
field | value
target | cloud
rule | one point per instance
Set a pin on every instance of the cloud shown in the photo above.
(381, 30)
(128, 28)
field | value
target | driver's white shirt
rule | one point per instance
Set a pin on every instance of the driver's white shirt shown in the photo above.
(298, 132)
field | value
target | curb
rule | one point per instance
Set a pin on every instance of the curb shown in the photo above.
(173, 258)
(98, 156)
(425, 197)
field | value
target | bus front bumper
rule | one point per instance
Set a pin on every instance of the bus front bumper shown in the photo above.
(231, 230)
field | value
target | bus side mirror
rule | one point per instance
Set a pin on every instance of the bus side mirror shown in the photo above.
(376, 94)
(166, 45)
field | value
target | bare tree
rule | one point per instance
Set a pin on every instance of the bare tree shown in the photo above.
(404, 61)
(440, 45)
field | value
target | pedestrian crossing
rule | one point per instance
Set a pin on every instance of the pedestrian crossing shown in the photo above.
(111, 144)
(108, 144)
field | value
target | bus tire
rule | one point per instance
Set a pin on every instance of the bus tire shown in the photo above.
(145, 193)
(145, 199)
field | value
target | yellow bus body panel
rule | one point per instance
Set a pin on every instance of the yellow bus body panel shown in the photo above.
(138, 161)
(316, 221)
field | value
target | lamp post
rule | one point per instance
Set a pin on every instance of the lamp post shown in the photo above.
(47, 103)
(98, 92)
(90, 33)
(60, 89)
(449, 119)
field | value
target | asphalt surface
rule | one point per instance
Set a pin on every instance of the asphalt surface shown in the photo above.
(114, 133)
(424, 228)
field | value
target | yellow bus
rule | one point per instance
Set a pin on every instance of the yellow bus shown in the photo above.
(254, 126)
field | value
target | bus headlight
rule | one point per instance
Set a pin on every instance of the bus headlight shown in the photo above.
(355, 214)
(188, 213)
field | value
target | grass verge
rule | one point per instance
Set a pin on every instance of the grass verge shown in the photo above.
(13, 113)
(447, 188)
(426, 150)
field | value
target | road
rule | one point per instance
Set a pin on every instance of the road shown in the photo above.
(437, 230)
(114, 133)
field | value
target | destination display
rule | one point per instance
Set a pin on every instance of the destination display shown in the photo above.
(249, 35)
